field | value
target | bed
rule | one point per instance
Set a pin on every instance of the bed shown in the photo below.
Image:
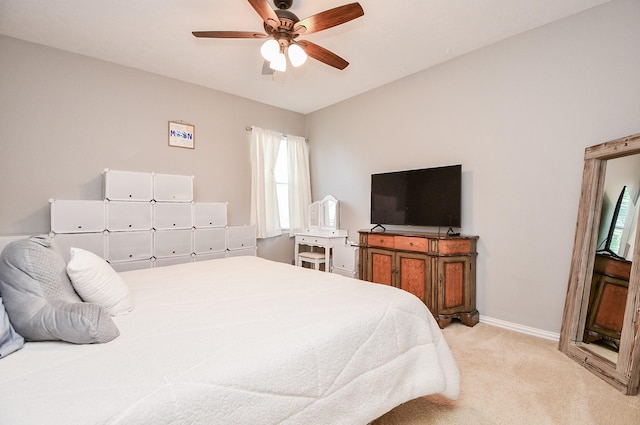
(239, 340)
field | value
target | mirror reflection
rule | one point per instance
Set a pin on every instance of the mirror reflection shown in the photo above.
(330, 213)
(325, 214)
(612, 263)
(619, 207)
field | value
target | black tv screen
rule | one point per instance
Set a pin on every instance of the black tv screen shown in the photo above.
(424, 197)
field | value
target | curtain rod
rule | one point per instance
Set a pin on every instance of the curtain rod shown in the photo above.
(250, 127)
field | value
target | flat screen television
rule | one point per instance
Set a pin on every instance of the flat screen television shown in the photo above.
(607, 250)
(424, 197)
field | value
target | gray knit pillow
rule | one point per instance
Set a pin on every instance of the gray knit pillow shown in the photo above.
(10, 341)
(40, 300)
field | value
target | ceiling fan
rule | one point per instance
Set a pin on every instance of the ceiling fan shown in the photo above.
(283, 27)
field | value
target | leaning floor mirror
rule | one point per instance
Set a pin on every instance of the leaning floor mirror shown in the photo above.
(601, 323)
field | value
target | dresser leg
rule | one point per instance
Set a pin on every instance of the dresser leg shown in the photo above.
(469, 319)
(443, 320)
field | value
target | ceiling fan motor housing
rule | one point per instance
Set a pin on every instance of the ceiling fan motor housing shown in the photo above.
(284, 34)
(283, 4)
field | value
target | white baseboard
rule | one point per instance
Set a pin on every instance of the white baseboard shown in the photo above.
(520, 328)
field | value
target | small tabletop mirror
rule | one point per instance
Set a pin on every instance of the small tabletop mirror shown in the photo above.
(325, 214)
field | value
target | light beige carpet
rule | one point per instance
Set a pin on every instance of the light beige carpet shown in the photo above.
(512, 378)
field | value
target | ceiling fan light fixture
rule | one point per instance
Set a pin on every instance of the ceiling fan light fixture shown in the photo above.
(279, 63)
(270, 49)
(282, 27)
(297, 56)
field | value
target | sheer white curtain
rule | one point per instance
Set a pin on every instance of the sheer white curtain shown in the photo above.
(264, 199)
(299, 183)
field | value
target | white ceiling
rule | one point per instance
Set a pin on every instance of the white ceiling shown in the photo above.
(392, 40)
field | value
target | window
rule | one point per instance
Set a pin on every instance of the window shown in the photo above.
(280, 185)
(281, 176)
(621, 219)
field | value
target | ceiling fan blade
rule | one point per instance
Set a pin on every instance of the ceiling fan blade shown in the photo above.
(323, 55)
(329, 18)
(228, 34)
(265, 11)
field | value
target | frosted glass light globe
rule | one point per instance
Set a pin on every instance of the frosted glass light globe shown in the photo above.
(297, 55)
(279, 63)
(270, 49)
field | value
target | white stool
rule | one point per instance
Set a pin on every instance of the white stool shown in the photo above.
(315, 258)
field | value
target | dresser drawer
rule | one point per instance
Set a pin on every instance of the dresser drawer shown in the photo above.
(345, 257)
(210, 240)
(383, 241)
(454, 246)
(608, 266)
(122, 215)
(411, 244)
(241, 237)
(92, 242)
(209, 214)
(77, 216)
(312, 240)
(173, 188)
(128, 185)
(172, 243)
(172, 215)
(129, 246)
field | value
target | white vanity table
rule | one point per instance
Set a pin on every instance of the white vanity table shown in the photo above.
(323, 232)
(326, 239)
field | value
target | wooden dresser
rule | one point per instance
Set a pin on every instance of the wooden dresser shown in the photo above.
(608, 299)
(440, 270)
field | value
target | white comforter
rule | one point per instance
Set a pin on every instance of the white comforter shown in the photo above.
(240, 340)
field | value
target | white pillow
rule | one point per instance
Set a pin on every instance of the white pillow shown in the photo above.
(96, 282)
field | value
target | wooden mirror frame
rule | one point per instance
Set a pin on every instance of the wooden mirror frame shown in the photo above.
(625, 373)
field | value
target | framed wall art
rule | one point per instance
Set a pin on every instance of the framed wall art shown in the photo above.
(182, 135)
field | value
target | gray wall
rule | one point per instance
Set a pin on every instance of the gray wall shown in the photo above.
(517, 115)
(66, 117)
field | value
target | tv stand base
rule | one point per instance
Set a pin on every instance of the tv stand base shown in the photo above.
(380, 226)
